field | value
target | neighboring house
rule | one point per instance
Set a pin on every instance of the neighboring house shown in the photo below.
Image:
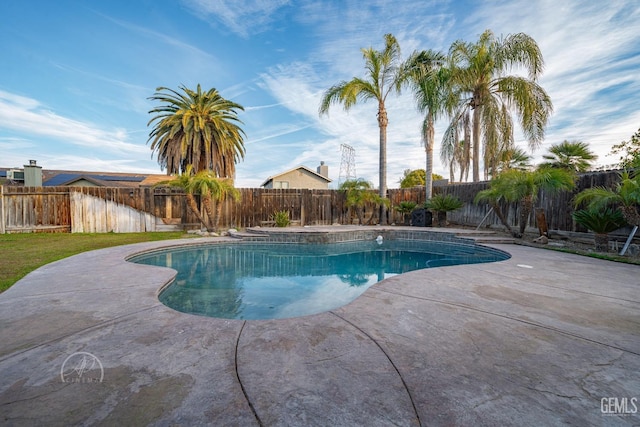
(34, 176)
(300, 177)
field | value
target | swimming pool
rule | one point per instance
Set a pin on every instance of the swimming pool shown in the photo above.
(282, 280)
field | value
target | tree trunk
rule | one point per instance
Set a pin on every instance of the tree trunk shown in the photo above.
(541, 221)
(360, 213)
(464, 170)
(442, 218)
(502, 218)
(193, 206)
(206, 200)
(526, 206)
(476, 144)
(216, 221)
(631, 215)
(382, 123)
(451, 172)
(428, 147)
(602, 242)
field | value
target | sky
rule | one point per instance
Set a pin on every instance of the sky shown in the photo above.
(76, 76)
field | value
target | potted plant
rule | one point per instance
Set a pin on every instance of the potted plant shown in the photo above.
(601, 222)
(441, 204)
(405, 208)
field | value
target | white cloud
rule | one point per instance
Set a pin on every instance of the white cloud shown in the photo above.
(243, 17)
(27, 116)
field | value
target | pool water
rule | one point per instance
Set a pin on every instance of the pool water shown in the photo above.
(281, 280)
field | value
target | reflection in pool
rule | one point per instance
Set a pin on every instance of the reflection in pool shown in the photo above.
(280, 280)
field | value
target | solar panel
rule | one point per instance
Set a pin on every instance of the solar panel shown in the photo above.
(59, 179)
(63, 178)
(117, 178)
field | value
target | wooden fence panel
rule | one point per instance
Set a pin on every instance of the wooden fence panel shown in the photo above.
(34, 209)
(93, 214)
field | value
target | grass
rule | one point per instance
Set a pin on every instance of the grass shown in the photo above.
(25, 252)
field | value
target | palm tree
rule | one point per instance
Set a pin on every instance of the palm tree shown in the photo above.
(625, 196)
(455, 154)
(601, 222)
(485, 91)
(521, 186)
(384, 75)
(358, 193)
(571, 155)
(196, 128)
(441, 204)
(493, 196)
(515, 158)
(210, 188)
(429, 82)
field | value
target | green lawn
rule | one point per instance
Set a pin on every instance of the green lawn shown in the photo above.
(25, 252)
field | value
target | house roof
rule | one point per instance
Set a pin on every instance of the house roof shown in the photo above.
(311, 171)
(101, 180)
(51, 178)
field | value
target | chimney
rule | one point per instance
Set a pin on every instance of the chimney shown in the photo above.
(32, 174)
(323, 170)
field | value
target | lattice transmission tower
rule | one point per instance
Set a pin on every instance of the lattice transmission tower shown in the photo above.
(347, 164)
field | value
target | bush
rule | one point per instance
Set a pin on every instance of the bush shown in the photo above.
(440, 203)
(601, 222)
(281, 218)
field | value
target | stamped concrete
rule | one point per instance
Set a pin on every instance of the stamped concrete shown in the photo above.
(539, 339)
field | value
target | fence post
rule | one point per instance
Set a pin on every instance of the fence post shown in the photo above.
(2, 229)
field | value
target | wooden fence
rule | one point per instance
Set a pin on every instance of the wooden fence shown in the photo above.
(99, 209)
(557, 207)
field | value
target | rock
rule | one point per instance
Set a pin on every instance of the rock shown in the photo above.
(543, 240)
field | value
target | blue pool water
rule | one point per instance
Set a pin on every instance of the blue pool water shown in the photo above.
(281, 280)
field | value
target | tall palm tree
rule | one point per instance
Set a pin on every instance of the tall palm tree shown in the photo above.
(210, 188)
(522, 186)
(196, 128)
(429, 83)
(571, 155)
(487, 93)
(384, 75)
(455, 154)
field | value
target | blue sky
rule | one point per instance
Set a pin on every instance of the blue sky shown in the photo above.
(75, 76)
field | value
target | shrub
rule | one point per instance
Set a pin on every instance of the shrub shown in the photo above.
(281, 218)
(405, 208)
(601, 222)
(441, 205)
(446, 203)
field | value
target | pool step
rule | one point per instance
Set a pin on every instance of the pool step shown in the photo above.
(479, 236)
(249, 235)
(484, 236)
(492, 239)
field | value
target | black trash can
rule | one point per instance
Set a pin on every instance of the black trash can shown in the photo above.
(421, 218)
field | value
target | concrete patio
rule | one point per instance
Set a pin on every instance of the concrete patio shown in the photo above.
(544, 338)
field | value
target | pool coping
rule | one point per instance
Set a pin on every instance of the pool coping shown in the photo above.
(540, 338)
